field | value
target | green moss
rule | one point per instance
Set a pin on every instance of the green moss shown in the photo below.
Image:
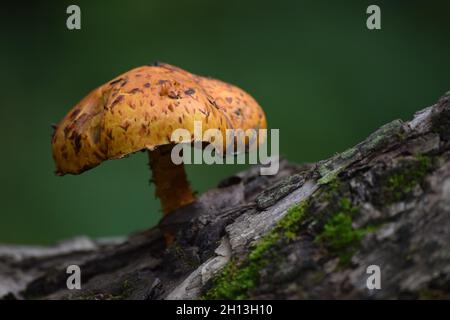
(290, 223)
(317, 277)
(400, 183)
(340, 237)
(235, 281)
(263, 246)
(183, 257)
(432, 294)
(338, 234)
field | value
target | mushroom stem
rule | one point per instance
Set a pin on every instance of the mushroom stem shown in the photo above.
(172, 186)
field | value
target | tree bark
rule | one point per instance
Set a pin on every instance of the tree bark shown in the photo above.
(309, 232)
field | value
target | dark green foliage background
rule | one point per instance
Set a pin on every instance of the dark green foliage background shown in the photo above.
(323, 79)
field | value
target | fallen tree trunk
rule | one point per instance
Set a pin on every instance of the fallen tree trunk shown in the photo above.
(311, 231)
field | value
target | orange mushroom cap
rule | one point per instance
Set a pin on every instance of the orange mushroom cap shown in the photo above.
(141, 108)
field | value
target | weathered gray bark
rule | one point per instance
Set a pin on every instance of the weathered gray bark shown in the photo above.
(385, 202)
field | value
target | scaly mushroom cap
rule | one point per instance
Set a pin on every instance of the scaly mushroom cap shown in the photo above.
(141, 108)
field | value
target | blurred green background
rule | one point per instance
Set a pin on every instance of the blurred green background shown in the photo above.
(322, 77)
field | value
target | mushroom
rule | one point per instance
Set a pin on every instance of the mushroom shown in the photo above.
(139, 110)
